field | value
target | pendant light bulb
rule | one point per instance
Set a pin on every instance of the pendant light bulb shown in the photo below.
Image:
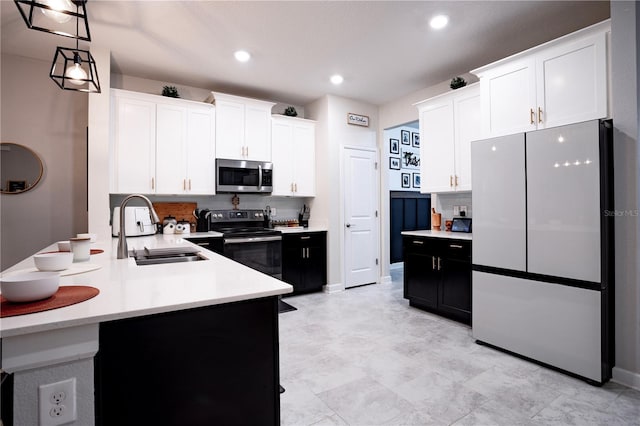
(75, 73)
(58, 5)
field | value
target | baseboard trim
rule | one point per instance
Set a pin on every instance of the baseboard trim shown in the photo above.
(333, 288)
(386, 279)
(626, 377)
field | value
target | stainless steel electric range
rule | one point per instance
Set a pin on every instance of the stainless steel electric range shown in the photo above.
(247, 241)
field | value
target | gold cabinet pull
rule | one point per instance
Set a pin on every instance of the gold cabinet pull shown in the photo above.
(451, 181)
(184, 184)
(189, 184)
(153, 183)
(295, 185)
(539, 115)
(456, 180)
(531, 116)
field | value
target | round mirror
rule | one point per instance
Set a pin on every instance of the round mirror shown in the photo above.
(20, 168)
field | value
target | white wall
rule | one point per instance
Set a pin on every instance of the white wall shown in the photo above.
(332, 135)
(52, 122)
(625, 42)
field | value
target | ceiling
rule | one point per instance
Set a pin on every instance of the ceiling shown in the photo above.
(384, 49)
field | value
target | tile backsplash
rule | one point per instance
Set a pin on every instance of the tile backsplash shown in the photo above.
(445, 204)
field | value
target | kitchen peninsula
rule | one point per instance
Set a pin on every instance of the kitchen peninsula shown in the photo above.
(207, 331)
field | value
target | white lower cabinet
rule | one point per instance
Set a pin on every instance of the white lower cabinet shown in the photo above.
(293, 156)
(162, 146)
(448, 124)
(561, 82)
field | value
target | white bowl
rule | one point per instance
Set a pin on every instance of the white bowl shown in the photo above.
(64, 245)
(53, 261)
(93, 237)
(29, 286)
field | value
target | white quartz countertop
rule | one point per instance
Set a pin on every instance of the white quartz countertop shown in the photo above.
(439, 234)
(128, 290)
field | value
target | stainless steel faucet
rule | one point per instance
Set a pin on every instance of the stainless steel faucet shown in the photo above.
(123, 250)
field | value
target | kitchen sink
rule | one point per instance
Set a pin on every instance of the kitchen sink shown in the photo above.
(146, 258)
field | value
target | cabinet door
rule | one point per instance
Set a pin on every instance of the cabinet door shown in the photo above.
(508, 96)
(304, 163)
(467, 118)
(437, 148)
(316, 271)
(455, 287)
(572, 82)
(201, 161)
(292, 265)
(171, 137)
(257, 132)
(133, 161)
(420, 276)
(282, 157)
(229, 129)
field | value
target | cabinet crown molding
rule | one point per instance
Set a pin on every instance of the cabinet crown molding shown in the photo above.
(600, 27)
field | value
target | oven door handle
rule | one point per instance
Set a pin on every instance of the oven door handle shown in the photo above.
(252, 239)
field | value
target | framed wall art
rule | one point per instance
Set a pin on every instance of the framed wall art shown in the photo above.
(394, 146)
(416, 180)
(415, 140)
(394, 163)
(404, 137)
(406, 180)
(410, 158)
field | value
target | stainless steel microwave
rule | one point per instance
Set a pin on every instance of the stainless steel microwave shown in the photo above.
(244, 176)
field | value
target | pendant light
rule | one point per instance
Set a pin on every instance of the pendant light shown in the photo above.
(54, 16)
(78, 67)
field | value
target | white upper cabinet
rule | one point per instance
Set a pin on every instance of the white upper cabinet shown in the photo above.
(243, 128)
(201, 153)
(161, 145)
(293, 156)
(132, 150)
(560, 82)
(448, 124)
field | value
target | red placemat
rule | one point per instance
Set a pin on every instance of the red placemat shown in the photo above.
(93, 251)
(65, 296)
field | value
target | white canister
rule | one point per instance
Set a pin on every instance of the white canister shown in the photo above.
(81, 248)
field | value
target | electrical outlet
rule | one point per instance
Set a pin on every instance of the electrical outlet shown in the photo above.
(273, 212)
(57, 403)
(463, 210)
(456, 210)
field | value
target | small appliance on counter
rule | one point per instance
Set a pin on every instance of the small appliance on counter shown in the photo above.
(461, 224)
(203, 220)
(137, 222)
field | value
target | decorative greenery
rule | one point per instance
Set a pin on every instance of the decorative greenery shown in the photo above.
(170, 91)
(291, 112)
(457, 82)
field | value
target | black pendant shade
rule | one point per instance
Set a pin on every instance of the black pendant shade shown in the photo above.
(75, 69)
(61, 17)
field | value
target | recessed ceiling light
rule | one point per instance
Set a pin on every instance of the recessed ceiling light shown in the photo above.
(438, 22)
(242, 55)
(337, 79)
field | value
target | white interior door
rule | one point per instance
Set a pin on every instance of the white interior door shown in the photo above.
(360, 221)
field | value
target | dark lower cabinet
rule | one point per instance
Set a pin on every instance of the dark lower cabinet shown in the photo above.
(215, 244)
(304, 261)
(216, 365)
(437, 276)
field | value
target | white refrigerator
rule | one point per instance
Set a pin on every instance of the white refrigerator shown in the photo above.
(543, 272)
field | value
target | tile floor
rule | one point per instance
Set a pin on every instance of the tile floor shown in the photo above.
(365, 357)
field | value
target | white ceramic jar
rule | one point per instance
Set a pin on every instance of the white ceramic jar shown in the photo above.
(81, 248)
